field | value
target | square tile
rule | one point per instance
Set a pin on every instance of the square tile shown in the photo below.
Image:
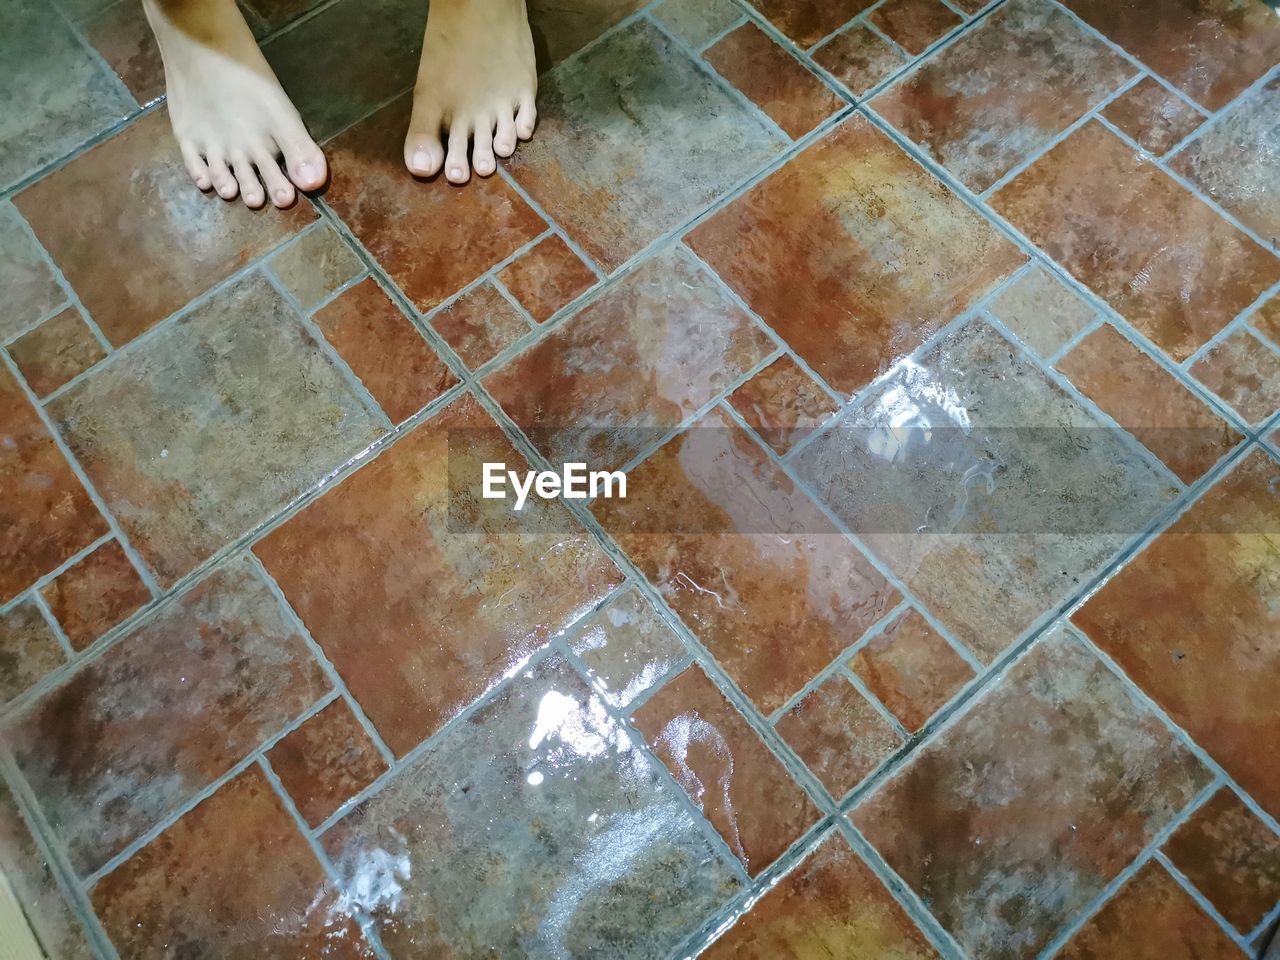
(562, 27)
(1020, 811)
(479, 325)
(633, 140)
(56, 351)
(1155, 118)
(169, 242)
(726, 769)
(854, 254)
(745, 559)
(121, 35)
(988, 488)
(578, 849)
(141, 730)
(1003, 90)
(1178, 278)
(212, 425)
(859, 59)
(419, 612)
(627, 647)
(808, 21)
(1245, 372)
(915, 24)
(783, 404)
(30, 289)
(28, 649)
(1191, 619)
(547, 277)
(95, 594)
(315, 265)
(698, 21)
(1041, 312)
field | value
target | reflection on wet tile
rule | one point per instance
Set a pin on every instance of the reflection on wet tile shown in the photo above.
(1179, 276)
(547, 277)
(95, 594)
(782, 403)
(728, 772)
(808, 21)
(968, 820)
(232, 879)
(1243, 371)
(121, 34)
(914, 24)
(169, 242)
(1041, 312)
(633, 138)
(419, 611)
(30, 290)
(1017, 501)
(859, 59)
(1003, 90)
(316, 265)
(634, 362)
(161, 715)
(627, 647)
(212, 425)
(28, 649)
(831, 905)
(1189, 620)
(479, 325)
(1171, 421)
(534, 829)
(745, 559)
(697, 21)
(1154, 117)
(854, 254)
(54, 352)
(562, 27)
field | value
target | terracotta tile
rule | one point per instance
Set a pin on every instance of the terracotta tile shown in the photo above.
(479, 325)
(169, 242)
(1004, 506)
(839, 735)
(1266, 320)
(121, 34)
(30, 290)
(1189, 620)
(54, 352)
(627, 647)
(970, 6)
(1231, 857)
(46, 517)
(1179, 277)
(728, 772)
(326, 762)
(1020, 811)
(911, 669)
(420, 611)
(547, 277)
(854, 254)
(915, 24)
(1153, 116)
(28, 649)
(772, 79)
(272, 418)
(1003, 90)
(384, 349)
(629, 366)
(316, 265)
(698, 21)
(783, 404)
(562, 27)
(831, 905)
(188, 893)
(1151, 918)
(615, 163)
(1146, 400)
(745, 559)
(808, 21)
(579, 848)
(1041, 311)
(1209, 49)
(1243, 371)
(91, 597)
(859, 59)
(138, 732)
(432, 238)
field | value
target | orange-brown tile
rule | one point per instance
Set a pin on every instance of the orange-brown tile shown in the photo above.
(1266, 320)
(808, 21)
(479, 325)
(54, 352)
(627, 647)
(914, 24)
(1155, 118)
(728, 772)
(91, 597)
(772, 79)
(807, 250)
(911, 669)
(121, 34)
(547, 277)
(1146, 400)
(28, 648)
(30, 289)
(316, 265)
(1161, 257)
(859, 59)
(783, 403)
(1243, 371)
(1041, 312)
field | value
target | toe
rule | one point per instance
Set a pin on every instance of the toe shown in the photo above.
(423, 152)
(482, 148)
(221, 176)
(455, 164)
(526, 118)
(196, 167)
(504, 140)
(251, 191)
(278, 186)
(303, 160)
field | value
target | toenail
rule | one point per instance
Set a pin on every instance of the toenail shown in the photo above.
(421, 161)
(306, 171)
(282, 196)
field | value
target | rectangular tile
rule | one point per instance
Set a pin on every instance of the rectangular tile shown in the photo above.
(96, 593)
(56, 351)
(808, 21)
(547, 277)
(1041, 312)
(316, 265)
(28, 648)
(562, 27)
(1155, 118)
(860, 59)
(1245, 372)
(30, 289)
(783, 404)
(697, 21)
(121, 35)
(627, 647)
(915, 24)
(480, 324)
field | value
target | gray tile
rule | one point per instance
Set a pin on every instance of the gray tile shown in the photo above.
(627, 647)
(30, 290)
(697, 21)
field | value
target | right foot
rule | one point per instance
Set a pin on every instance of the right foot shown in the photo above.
(233, 121)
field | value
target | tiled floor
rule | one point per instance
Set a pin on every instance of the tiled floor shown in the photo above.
(940, 341)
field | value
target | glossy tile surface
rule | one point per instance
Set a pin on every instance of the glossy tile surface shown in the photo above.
(28, 648)
(547, 277)
(782, 404)
(1245, 372)
(97, 592)
(479, 325)
(1153, 116)
(1040, 311)
(627, 647)
(56, 351)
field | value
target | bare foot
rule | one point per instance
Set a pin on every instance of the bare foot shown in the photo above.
(232, 120)
(477, 80)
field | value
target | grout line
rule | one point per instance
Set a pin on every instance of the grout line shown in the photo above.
(880, 708)
(740, 21)
(83, 41)
(521, 311)
(44, 580)
(1182, 880)
(336, 294)
(1243, 318)
(1260, 930)
(1216, 116)
(63, 640)
(1094, 325)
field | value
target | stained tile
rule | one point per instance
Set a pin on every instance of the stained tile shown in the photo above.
(432, 238)
(578, 848)
(831, 905)
(627, 647)
(138, 732)
(316, 265)
(1152, 116)
(326, 762)
(782, 403)
(1178, 277)
(911, 669)
(839, 735)
(859, 59)
(1243, 371)
(95, 594)
(1171, 421)
(419, 612)
(808, 21)
(562, 27)
(1001, 501)
(1266, 320)
(632, 364)
(547, 277)
(854, 254)
(54, 352)
(121, 34)
(212, 425)
(28, 649)
(1003, 91)
(772, 79)
(384, 349)
(169, 242)
(1041, 311)
(30, 290)
(914, 24)
(1191, 617)
(633, 139)
(745, 559)
(724, 766)
(46, 517)
(479, 325)
(698, 21)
